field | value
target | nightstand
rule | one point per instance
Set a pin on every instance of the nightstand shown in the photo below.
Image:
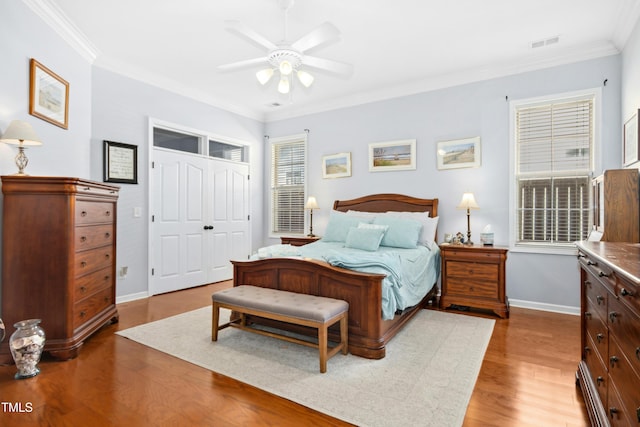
(298, 240)
(474, 276)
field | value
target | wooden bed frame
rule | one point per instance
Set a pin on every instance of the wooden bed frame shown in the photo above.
(368, 333)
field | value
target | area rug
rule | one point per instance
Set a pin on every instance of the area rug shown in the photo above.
(426, 378)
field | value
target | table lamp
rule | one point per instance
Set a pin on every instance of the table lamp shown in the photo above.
(20, 133)
(311, 205)
(468, 202)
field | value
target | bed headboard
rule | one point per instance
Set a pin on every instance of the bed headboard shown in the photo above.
(388, 202)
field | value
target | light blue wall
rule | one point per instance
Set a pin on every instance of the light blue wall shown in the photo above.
(121, 110)
(23, 35)
(477, 109)
(631, 78)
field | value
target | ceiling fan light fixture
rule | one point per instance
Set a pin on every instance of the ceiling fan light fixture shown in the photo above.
(305, 78)
(264, 75)
(284, 86)
(285, 67)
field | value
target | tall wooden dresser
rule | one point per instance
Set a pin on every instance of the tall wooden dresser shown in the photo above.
(58, 258)
(609, 372)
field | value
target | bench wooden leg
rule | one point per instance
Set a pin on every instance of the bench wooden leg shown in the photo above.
(344, 333)
(322, 347)
(215, 319)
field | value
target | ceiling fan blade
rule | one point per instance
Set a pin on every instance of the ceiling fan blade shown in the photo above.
(323, 34)
(328, 65)
(243, 64)
(241, 29)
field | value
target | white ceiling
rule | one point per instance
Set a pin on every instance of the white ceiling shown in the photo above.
(396, 47)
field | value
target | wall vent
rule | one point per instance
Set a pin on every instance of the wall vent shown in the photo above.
(545, 42)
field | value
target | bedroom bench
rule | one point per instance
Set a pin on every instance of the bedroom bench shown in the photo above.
(299, 309)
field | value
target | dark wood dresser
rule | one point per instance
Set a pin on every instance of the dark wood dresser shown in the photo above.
(298, 240)
(609, 372)
(58, 258)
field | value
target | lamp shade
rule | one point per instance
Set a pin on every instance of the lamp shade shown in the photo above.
(468, 202)
(20, 133)
(311, 203)
(283, 86)
(264, 75)
(305, 78)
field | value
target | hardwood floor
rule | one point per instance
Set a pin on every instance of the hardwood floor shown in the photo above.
(527, 379)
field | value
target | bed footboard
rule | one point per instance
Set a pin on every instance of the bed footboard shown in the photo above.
(368, 333)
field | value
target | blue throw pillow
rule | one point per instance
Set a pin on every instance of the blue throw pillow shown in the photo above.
(339, 225)
(402, 232)
(367, 239)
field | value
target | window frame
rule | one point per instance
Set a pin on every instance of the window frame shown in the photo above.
(272, 143)
(548, 248)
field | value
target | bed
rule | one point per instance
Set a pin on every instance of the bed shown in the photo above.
(369, 332)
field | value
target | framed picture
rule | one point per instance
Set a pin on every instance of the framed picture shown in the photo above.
(48, 95)
(459, 153)
(336, 165)
(120, 162)
(631, 146)
(392, 155)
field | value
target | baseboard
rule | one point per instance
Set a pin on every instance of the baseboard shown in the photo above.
(564, 309)
(131, 297)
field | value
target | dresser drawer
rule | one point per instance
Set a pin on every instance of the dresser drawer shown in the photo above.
(472, 270)
(94, 259)
(625, 326)
(94, 212)
(91, 283)
(88, 237)
(630, 294)
(602, 272)
(599, 333)
(471, 288)
(86, 309)
(624, 378)
(597, 369)
(597, 296)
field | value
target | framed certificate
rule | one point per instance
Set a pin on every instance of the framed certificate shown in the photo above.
(120, 162)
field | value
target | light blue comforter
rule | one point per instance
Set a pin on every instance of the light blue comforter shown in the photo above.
(410, 273)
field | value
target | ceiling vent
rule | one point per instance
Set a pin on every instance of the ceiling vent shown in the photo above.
(545, 42)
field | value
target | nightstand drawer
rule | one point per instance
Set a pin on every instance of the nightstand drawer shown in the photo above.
(472, 270)
(471, 288)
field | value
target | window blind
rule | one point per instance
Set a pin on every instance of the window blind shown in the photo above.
(288, 160)
(554, 145)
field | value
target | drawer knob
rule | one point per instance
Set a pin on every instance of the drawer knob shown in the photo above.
(83, 313)
(587, 349)
(83, 264)
(107, 256)
(612, 316)
(599, 338)
(638, 353)
(587, 283)
(602, 274)
(83, 213)
(107, 235)
(83, 288)
(626, 293)
(581, 256)
(613, 411)
(587, 314)
(613, 360)
(599, 380)
(589, 262)
(108, 213)
(83, 238)
(106, 278)
(600, 299)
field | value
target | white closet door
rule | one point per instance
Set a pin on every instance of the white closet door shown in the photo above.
(228, 207)
(201, 220)
(179, 218)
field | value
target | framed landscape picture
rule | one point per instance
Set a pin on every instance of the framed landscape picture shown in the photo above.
(336, 165)
(459, 153)
(392, 155)
(631, 140)
(48, 95)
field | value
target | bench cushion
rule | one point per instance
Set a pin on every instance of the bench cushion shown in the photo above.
(301, 306)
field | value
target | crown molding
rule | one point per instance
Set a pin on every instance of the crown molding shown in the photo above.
(174, 86)
(560, 57)
(53, 16)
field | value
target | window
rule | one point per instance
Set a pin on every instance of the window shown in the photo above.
(554, 146)
(288, 178)
(222, 150)
(166, 138)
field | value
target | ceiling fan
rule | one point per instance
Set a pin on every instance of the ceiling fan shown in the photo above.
(289, 58)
